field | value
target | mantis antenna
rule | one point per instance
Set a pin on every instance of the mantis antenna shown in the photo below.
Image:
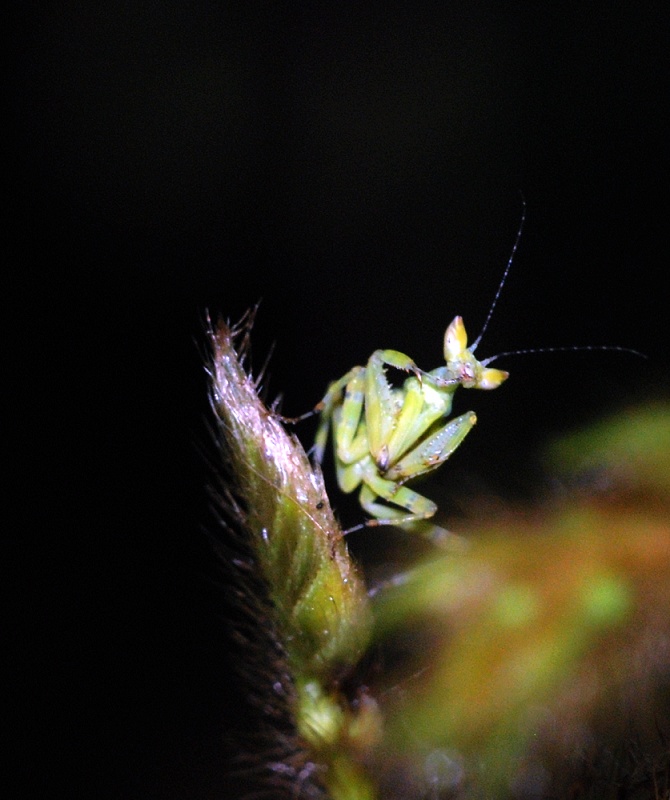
(526, 351)
(566, 349)
(503, 279)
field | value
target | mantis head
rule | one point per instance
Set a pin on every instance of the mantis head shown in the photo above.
(462, 365)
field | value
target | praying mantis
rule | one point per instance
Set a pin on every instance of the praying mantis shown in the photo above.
(383, 436)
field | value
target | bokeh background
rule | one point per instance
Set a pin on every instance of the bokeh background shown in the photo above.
(359, 169)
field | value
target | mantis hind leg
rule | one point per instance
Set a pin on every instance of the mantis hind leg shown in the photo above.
(421, 510)
(407, 500)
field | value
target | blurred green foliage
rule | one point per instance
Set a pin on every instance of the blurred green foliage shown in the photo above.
(547, 639)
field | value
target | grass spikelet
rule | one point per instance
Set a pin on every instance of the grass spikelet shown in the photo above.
(317, 599)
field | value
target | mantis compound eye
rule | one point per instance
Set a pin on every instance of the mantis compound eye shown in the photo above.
(455, 340)
(492, 378)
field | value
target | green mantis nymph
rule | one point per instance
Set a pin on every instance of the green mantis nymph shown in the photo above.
(383, 435)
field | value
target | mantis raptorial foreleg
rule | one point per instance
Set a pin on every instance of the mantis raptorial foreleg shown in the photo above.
(333, 402)
(434, 450)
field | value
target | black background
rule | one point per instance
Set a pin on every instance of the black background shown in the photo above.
(361, 171)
